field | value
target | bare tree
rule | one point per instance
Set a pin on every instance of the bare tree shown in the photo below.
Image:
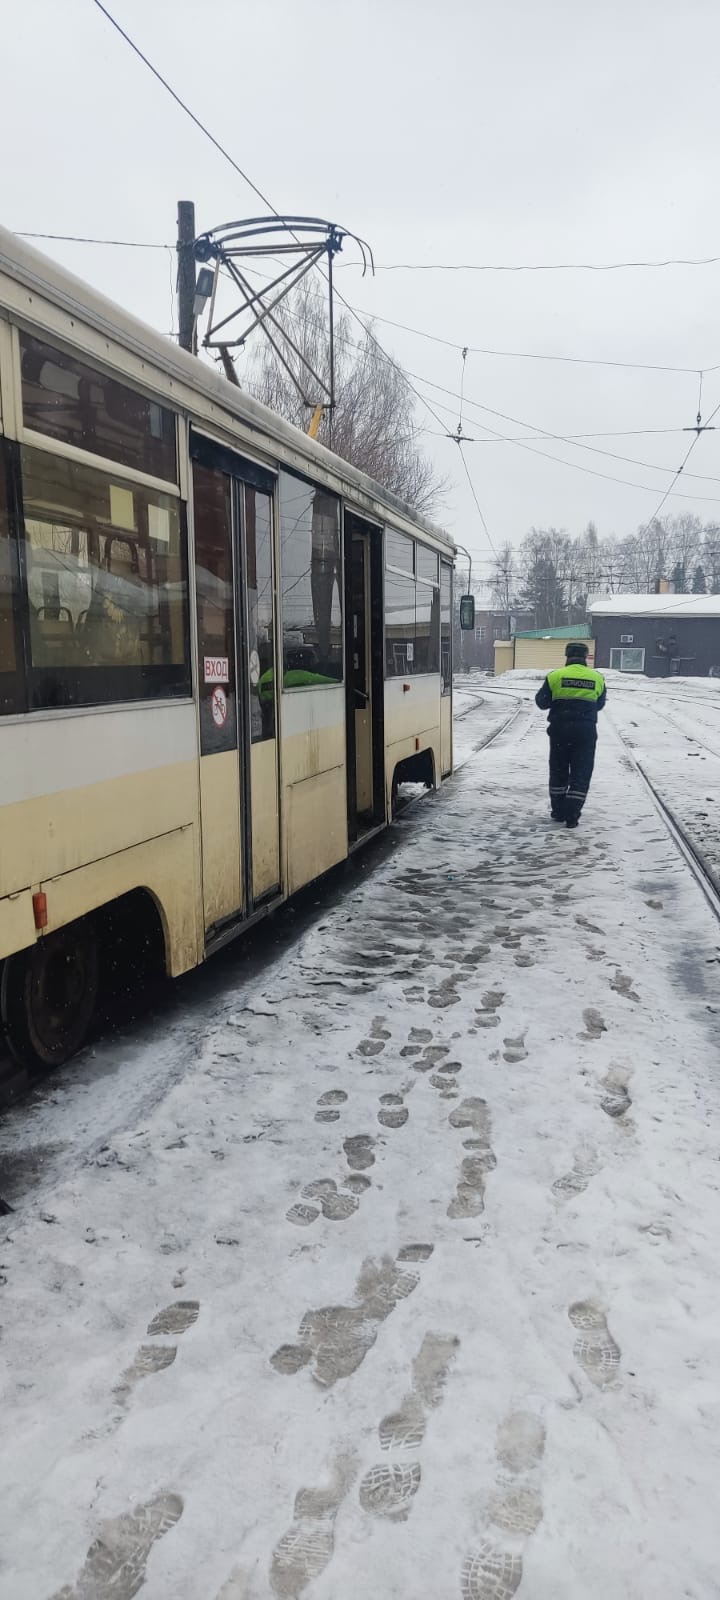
(373, 424)
(503, 580)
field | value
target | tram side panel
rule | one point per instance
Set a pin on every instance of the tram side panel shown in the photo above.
(314, 782)
(93, 807)
(412, 728)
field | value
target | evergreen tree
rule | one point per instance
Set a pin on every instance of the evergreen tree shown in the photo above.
(699, 586)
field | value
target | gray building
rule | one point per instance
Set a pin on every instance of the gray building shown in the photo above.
(657, 634)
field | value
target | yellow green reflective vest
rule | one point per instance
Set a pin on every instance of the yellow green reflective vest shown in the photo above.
(576, 682)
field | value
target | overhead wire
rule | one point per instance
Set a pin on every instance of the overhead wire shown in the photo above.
(403, 327)
(185, 107)
(498, 437)
(477, 502)
(538, 355)
(79, 238)
(368, 332)
(244, 175)
(681, 468)
(544, 266)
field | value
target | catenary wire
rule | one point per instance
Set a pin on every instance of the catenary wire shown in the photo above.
(544, 266)
(540, 433)
(680, 469)
(403, 327)
(477, 502)
(264, 198)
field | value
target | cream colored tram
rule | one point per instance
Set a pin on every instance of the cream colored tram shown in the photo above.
(221, 648)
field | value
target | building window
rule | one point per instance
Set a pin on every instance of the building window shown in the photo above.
(446, 625)
(258, 548)
(627, 660)
(311, 578)
(11, 690)
(480, 633)
(498, 633)
(71, 402)
(107, 588)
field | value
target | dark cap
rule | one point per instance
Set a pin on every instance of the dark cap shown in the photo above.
(576, 651)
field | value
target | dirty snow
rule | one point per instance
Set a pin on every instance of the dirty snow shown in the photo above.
(392, 1270)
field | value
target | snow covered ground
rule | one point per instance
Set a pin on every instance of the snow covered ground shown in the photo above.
(673, 729)
(390, 1269)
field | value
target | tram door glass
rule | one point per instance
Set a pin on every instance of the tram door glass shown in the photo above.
(233, 523)
(262, 717)
(364, 673)
(11, 698)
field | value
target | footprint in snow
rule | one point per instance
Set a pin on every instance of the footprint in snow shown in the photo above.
(388, 1489)
(494, 1570)
(616, 1098)
(595, 1024)
(622, 984)
(305, 1549)
(114, 1567)
(152, 1358)
(328, 1105)
(595, 1349)
(336, 1339)
(393, 1112)
(575, 1181)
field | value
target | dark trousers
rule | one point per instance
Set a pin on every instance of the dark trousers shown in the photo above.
(572, 758)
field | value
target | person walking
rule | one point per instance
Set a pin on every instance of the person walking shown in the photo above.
(572, 695)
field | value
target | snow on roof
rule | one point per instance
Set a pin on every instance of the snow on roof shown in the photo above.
(654, 605)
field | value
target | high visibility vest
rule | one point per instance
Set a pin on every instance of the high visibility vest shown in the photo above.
(575, 681)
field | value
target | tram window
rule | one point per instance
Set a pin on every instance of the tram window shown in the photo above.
(311, 579)
(258, 546)
(212, 517)
(446, 626)
(426, 564)
(399, 551)
(106, 583)
(399, 625)
(427, 628)
(10, 689)
(68, 400)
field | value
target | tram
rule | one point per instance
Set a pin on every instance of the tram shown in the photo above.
(221, 649)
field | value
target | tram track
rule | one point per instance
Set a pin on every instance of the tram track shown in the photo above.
(695, 734)
(491, 737)
(704, 874)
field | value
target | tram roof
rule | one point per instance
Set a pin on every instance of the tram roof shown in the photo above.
(37, 272)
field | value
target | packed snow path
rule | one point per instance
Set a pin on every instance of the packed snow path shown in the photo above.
(406, 1284)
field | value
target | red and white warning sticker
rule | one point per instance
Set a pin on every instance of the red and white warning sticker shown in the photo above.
(219, 707)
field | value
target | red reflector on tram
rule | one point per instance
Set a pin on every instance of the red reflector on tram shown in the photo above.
(40, 911)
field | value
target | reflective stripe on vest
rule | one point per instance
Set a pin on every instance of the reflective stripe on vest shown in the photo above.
(575, 682)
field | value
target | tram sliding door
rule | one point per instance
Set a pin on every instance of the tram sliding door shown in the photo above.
(233, 528)
(364, 675)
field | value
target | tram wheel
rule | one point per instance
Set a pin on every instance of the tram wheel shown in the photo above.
(48, 995)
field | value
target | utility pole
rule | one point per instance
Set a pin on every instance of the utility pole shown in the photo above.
(186, 274)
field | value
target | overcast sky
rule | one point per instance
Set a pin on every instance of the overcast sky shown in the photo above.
(572, 130)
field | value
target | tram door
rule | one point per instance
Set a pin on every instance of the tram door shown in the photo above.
(364, 675)
(233, 528)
